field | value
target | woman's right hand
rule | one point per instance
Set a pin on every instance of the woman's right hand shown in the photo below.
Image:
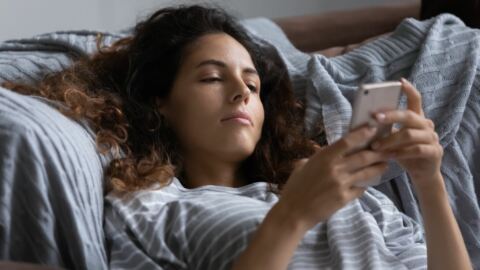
(317, 187)
(326, 182)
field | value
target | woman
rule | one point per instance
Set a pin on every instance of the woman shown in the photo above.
(213, 169)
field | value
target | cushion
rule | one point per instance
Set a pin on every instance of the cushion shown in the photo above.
(51, 188)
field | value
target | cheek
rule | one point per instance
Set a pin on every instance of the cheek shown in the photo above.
(260, 113)
(184, 117)
(191, 113)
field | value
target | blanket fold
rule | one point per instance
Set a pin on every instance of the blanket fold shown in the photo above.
(440, 56)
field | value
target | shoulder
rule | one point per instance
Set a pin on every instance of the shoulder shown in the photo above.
(175, 195)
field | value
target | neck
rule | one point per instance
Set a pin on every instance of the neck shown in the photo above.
(208, 170)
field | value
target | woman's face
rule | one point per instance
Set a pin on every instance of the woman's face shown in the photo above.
(214, 106)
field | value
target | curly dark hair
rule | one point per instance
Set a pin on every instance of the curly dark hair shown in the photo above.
(116, 89)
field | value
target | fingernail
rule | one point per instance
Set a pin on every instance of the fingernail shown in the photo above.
(380, 116)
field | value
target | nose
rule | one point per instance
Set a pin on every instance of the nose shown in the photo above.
(241, 92)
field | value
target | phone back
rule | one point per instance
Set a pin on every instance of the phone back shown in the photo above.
(372, 98)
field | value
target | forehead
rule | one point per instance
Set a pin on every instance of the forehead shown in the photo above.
(218, 46)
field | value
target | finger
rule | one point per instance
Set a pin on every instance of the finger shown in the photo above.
(404, 138)
(414, 98)
(418, 151)
(362, 159)
(363, 175)
(407, 118)
(352, 141)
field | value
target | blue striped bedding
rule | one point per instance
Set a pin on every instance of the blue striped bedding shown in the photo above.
(207, 228)
(51, 179)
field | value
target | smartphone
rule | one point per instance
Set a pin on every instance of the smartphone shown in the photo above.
(369, 99)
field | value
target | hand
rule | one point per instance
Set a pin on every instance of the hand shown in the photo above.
(325, 182)
(415, 146)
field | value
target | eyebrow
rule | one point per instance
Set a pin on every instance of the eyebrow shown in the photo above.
(224, 65)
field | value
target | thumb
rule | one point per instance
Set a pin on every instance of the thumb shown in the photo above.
(352, 141)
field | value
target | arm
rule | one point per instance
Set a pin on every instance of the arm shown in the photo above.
(273, 244)
(416, 148)
(309, 33)
(306, 201)
(445, 245)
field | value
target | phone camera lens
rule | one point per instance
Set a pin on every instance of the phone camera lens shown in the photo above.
(365, 92)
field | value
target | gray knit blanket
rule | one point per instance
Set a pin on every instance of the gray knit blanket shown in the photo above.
(440, 56)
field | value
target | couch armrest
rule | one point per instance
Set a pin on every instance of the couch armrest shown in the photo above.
(340, 28)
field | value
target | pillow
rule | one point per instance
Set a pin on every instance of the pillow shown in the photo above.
(51, 186)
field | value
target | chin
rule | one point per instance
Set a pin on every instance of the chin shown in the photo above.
(238, 153)
(236, 146)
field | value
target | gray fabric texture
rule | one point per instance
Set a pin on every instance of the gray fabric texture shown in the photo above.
(51, 188)
(51, 176)
(439, 56)
(208, 227)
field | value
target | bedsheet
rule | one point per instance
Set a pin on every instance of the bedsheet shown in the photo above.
(51, 176)
(439, 56)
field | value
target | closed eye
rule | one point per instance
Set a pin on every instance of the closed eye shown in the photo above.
(251, 86)
(211, 79)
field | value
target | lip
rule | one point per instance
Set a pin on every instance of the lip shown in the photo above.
(238, 115)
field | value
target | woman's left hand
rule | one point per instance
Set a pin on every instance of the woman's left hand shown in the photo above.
(415, 146)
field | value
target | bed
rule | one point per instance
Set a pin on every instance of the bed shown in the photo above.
(52, 182)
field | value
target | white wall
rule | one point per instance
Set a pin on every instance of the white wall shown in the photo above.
(24, 18)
